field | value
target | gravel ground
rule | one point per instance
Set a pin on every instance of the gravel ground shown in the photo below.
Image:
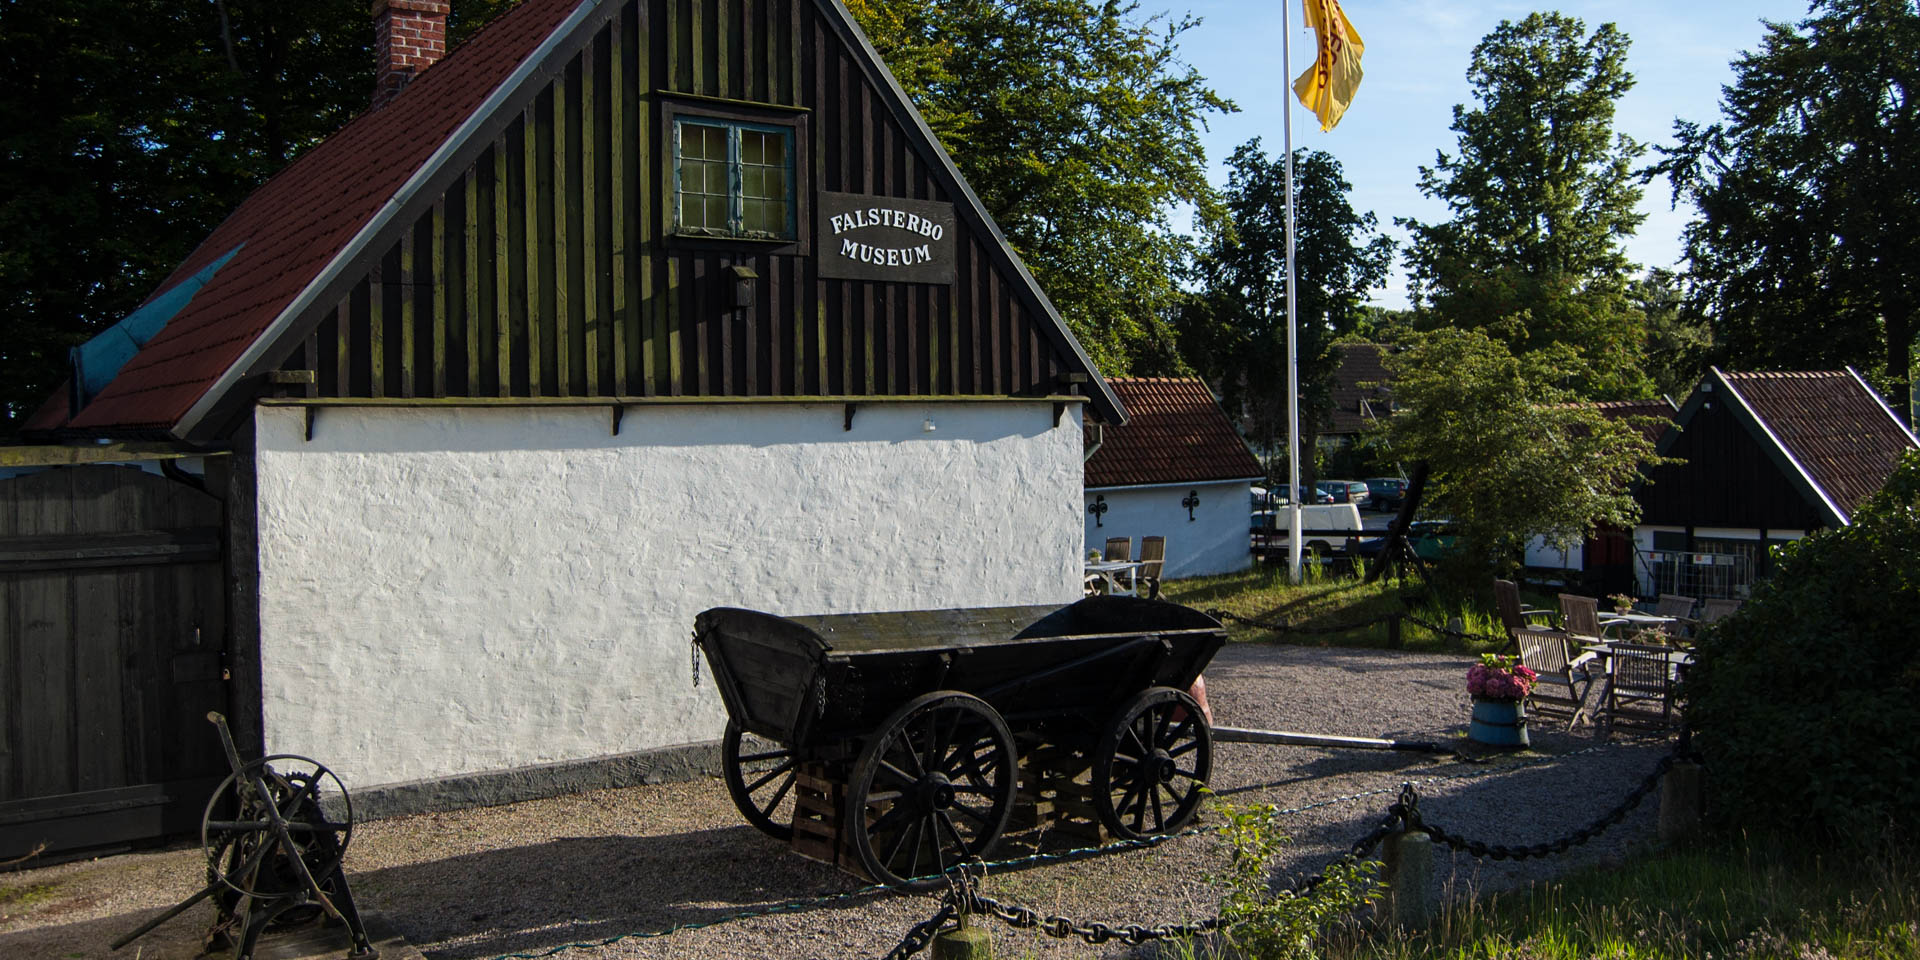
(476, 884)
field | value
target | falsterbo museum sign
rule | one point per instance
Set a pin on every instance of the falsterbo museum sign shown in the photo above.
(883, 238)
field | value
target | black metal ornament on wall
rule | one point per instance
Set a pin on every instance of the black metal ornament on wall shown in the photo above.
(1098, 508)
(1191, 500)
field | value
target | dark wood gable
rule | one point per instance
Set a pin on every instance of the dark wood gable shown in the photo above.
(1728, 479)
(548, 264)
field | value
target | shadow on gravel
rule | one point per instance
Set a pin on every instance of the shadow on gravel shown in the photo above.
(179, 939)
(533, 898)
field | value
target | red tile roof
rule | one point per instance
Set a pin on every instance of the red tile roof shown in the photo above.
(1837, 428)
(1176, 433)
(1355, 406)
(297, 222)
(1662, 408)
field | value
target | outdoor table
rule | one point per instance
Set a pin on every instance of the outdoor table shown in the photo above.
(1110, 571)
(1640, 620)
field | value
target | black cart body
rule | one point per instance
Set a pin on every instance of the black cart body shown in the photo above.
(883, 698)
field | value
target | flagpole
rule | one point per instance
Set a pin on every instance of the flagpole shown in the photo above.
(1293, 344)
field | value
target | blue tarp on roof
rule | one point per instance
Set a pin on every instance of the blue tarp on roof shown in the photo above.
(98, 361)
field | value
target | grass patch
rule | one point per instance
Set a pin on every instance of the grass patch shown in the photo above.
(1733, 899)
(17, 898)
(1327, 601)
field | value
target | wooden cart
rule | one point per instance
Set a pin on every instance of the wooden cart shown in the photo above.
(909, 727)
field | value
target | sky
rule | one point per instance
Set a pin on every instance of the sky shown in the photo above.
(1415, 72)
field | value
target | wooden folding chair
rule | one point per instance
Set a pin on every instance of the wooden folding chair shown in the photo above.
(1582, 618)
(1153, 554)
(1680, 609)
(1639, 687)
(1562, 682)
(1716, 609)
(1515, 618)
(1118, 548)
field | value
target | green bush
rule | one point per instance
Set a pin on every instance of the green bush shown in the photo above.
(1806, 703)
(1262, 924)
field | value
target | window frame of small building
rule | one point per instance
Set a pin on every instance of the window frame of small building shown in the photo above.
(787, 123)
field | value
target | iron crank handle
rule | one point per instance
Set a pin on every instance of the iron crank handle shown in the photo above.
(226, 740)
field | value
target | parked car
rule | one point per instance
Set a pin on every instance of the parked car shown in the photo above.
(1431, 540)
(1387, 493)
(1267, 498)
(1269, 530)
(1346, 491)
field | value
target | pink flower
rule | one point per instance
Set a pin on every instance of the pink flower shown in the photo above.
(1500, 678)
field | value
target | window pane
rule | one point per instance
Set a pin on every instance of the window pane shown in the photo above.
(776, 145)
(751, 149)
(753, 215)
(776, 185)
(717, 212)
(776, 216)
(755, 182)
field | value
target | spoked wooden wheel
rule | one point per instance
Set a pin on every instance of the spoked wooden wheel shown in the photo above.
(282, 839)
(931, 789)
(760, 776)
(1151, 763)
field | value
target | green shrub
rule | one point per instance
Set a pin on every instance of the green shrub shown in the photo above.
(1264, 925)
(1806, 703)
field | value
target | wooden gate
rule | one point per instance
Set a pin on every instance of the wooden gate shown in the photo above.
(113, 628)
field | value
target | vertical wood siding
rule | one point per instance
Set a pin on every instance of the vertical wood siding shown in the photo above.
(545, 271)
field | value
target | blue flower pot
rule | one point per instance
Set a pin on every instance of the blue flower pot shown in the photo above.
(1499, 723)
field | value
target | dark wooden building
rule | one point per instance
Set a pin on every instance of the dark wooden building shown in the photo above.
(622, 310)
(1769, 458)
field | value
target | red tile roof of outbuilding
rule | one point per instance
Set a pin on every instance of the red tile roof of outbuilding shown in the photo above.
(1832, 424)
(297, 222)
(1176, 433)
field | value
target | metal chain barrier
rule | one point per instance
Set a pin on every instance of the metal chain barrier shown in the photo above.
(1410, 805)
(1096, 932)
(924, 932)
(1403, 815)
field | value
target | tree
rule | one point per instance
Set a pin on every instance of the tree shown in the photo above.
(1079, 129)
(1679, 342)
(130, 128)
(1511, 453)
(1806, 252)
(1805, 701)
(1235, 329)
(1542, 197)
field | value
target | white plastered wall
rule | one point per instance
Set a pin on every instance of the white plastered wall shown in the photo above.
(1214, 541)
(455, 591)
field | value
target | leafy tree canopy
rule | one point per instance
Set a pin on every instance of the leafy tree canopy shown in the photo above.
(1234, 330)
(1542, 198)
(1806, 252)
(1080, 130)
(1806, 700)
(1511, 452)
(130, 128)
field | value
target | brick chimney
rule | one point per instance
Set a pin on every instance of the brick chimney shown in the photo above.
(408, 37)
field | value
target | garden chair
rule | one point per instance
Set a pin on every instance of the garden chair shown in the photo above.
(1680, 609)
(1514, 617)
(1716, 609)
(1581, 616)
(1561, 685)
(1118, 548)
(1153, 554)
(1639, 687)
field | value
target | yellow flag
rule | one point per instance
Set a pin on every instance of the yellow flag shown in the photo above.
(1328, 87)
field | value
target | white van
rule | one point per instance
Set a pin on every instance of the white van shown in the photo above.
(1269, 530)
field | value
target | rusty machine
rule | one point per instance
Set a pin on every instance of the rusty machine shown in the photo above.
(274, 834)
